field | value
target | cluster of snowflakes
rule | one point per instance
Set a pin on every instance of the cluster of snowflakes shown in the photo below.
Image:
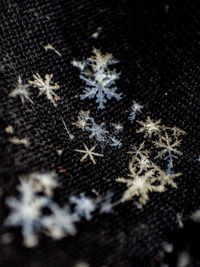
(35, 195)
(36, 190)
(145, 176)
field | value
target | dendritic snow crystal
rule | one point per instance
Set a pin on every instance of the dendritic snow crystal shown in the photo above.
(90, 153)
(46, 87)
(150, 127)
(136, 108)
(22, 91)
(26, 212)
(84, 206)
(99, 79)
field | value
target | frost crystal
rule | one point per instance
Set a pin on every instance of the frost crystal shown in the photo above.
(84, 206)
(21, 90)
(150, 127)
(135, 109)
(60, 223)
(46, 86)
(99, 79)
(26, 213)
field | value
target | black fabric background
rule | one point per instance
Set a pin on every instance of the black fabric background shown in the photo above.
(159, 64)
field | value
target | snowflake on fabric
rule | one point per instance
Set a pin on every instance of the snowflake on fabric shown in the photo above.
(46, 87)
(22, 91)
(90, 153)
(26, 213)
(42, 182)
(60, 223)
(99, 79)
(97, 131)
(150, 127)
(136, 108)
(82, 121)
(84, 206)
(168, 145)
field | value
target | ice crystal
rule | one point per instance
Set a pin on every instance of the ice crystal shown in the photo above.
(139, 151)
(71, 136)
(50, 47)
(115, 142)
(90, 153)
(42, 182)
(84, 206)
(99, 79)
(136, 108)
(97, 131)
(168, 146)
(17, 141)
(83, 117)
(22, 91)
(60, 222)
(118, 127)
(46, 87)
(150, 127)
(26, 213)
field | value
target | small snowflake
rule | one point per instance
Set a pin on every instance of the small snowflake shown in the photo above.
(150, 127)
(60, 222)
(90, 153)
(135, 109)
(46, 86)
(139, 151)
(115, 142)
(118, 127)
(82, 120)
(100, 80)
(21, 90)
(84, 206)
(97, 131)
(26, 213)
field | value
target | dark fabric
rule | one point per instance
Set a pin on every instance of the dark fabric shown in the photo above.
(156, 43)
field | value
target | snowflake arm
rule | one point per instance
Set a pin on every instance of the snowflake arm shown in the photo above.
(135, 109)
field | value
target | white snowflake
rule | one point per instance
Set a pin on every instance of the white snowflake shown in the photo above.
(90, 153)
(84, 206)
(135, 109)
(46, 87)
(100, 80)
(42, 182)
(150, 127)
(60, 222)
(22, 91)
(25, 212)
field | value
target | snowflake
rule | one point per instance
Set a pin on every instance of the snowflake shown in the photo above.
(46, 86)
(82, 121)
(100, 80)
(97, 131)
(21, 91)
(135, 109)
(84, 206)
(60, 222)
(118, 127)
(169, 147)
(42, 182)
(26, 213)
(105, 204)
(23, 141)
(90, 153)
(139, 151)
(115, 142)
(150, 127)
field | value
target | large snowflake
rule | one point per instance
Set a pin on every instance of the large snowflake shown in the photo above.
(99, 79)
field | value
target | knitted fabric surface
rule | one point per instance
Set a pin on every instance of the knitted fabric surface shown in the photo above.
(99, 133)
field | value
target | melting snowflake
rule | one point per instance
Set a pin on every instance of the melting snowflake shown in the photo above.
(99, 79)
(26, 213)
(84, 206)
(46, 87)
